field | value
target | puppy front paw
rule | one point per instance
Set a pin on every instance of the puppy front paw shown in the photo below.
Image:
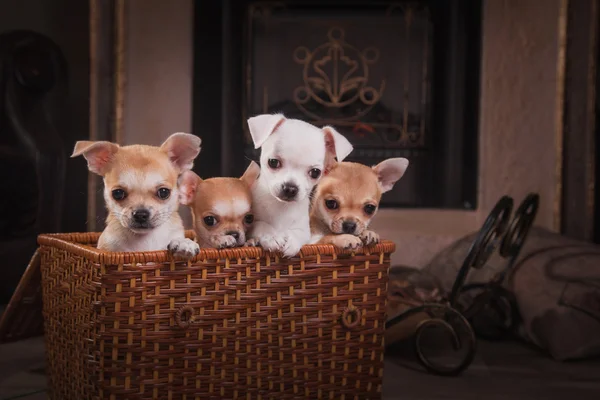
(346, 242)
(291, 248)
(369, 237)
(183, 248)
(223, 241)
(273, 243)
(251, 243)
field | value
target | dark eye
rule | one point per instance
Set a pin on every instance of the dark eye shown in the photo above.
(370, 209)
(331, 204)
(314, 173)
(119, 194)
(248, 219)
(163, 193)
(274, 163)
(210, 220)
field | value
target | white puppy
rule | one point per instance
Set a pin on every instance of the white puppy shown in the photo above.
(294, 156)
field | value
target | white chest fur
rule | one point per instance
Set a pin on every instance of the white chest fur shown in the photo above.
(282, 216)
(125, 240)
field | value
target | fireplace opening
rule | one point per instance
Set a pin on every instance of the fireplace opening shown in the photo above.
(398, 79)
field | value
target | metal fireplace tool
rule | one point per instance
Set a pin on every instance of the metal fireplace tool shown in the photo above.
(488, 309)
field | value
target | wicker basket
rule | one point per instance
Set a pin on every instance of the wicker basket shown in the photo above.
(236, 323)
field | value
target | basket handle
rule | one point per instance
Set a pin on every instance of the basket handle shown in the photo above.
(184, 317)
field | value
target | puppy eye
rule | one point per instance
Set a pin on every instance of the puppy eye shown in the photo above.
(331, 204)
(210, 221)
(118, 194)
(370, 209)
(163, 193)
(248, 219)
(274, 163)
(314, 173)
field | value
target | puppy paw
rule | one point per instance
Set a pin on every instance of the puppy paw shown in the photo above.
(183, 248)
(251, 243)
(346, 242)
(273, 243)
(223, 241)
(291, 248)
(369, 237)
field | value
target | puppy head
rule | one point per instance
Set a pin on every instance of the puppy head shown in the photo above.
(348, 197)
(140, 182)
(295, 153)
(220, 206)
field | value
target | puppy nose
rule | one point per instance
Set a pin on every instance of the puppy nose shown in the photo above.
(141, 215)
(235, 234)
(289, 190)
(348, 226)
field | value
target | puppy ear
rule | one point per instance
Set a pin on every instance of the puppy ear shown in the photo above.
(98, 154)
(182, 149)
(336, 146)
(251, 174)
(262, 126)
(188, 185)
(390, 171)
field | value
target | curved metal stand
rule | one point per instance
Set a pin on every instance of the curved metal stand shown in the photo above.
(490, 307)
(493, 305)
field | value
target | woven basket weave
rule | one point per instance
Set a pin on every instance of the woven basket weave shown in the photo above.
(236, 323)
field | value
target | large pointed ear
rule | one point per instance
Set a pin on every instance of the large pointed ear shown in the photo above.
(251, 174)
(262, 126)
(336, 146)
(390, 171)
(98, 154)
(188, 186)
(182, 149)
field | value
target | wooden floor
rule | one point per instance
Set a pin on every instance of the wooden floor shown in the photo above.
(500, 371)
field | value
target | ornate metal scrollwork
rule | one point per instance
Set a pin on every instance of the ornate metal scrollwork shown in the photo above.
(490, 306)
(492, 311)
(335, 75)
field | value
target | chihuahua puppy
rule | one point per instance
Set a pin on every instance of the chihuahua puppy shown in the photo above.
(221, 207)
(294, 156)
(141, 194)
(347, 199)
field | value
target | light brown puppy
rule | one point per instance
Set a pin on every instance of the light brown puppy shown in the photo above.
(141, 194)
(347, 199)
(221, 207)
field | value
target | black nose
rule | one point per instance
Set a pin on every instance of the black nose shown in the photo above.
(235, 234)
(141, 215)
(289, 190)
(348, 226)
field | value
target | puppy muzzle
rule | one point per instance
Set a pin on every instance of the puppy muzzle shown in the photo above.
(288, 192)
(239, 237)
(140, 220)
(349, 227)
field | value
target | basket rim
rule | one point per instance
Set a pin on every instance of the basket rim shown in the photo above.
(76, 244)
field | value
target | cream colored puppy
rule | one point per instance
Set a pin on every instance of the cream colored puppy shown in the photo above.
(141, 194)
(221, 207)
(347, 199)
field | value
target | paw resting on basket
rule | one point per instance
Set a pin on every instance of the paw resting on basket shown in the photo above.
(223, 241)
(183, 248)
(288, 245)
(344, 241)
(369, 237)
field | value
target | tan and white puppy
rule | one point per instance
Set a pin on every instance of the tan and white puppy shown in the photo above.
(347, 199)
(294, 155)
(221, 207)
(141, 194)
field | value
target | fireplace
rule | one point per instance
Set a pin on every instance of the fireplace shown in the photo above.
(398, 79)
